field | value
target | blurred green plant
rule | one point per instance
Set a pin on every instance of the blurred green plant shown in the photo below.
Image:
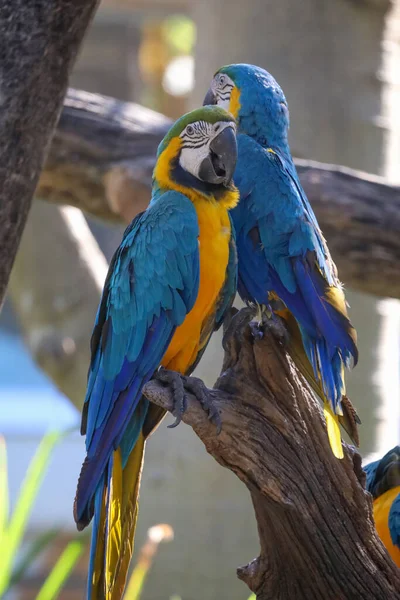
(155, 535)
(15, 561)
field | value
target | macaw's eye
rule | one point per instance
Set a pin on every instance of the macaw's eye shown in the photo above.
(221, 80)
(190, 129)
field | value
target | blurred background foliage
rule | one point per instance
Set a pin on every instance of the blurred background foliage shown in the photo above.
(339, 66)
(21, 557)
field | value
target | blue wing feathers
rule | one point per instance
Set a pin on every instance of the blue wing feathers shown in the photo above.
(281, 249)
(151, 285)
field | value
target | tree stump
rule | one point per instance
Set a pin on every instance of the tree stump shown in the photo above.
(314, 517)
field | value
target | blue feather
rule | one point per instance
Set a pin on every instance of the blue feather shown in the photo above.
(281, 250)
(151, 286)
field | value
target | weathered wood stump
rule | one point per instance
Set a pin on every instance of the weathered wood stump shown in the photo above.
(314, 516)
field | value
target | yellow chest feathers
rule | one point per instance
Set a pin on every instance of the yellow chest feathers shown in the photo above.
(214, 240)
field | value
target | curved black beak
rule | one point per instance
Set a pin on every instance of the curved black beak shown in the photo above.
(220, 164)
(210, 98)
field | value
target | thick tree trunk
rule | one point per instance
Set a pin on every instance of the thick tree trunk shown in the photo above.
(39, 42)
(314, 518)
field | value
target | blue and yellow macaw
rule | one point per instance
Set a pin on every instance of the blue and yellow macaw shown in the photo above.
(284, 262)
(383, 482)
(169, 285)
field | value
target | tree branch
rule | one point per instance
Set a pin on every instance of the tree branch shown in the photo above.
(55, 288)
(103, 155)
(314, 518)
(39, 42)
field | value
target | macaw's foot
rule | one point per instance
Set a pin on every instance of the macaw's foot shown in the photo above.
(277, 327)
(180, 386)
(195, 386)
(176, 382)
(267, 320)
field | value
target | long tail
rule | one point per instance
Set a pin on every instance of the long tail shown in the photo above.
(114, 524)
(349, 419)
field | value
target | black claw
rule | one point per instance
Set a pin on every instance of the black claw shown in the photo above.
(256, 329)
(175, 380)
(275, 325)
(201, 392)
(179, 386)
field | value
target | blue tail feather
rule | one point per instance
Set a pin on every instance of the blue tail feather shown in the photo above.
(96, 460)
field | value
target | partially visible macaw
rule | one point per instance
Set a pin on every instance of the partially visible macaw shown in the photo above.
(169, 285)
(383, 482)
(283, 257)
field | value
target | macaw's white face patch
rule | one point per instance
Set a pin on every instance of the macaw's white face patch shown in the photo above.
(196, 139)
(222, 86)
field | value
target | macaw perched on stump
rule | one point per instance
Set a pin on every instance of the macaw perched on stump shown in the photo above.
(283, 260)
(383, 482)
(169, 285)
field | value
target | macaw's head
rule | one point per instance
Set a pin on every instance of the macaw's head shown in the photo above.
(198, 155)
(256, 101)
(383, 475)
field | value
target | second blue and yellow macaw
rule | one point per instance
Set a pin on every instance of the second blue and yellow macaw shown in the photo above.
(283, 259)
(383, 482)
(168, 287)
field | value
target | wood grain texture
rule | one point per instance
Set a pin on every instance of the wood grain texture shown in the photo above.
(314, 516)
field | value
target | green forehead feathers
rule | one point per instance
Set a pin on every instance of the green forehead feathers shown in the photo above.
(210, 114)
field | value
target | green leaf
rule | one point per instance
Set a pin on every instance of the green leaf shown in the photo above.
(252, 597)
(13, 534)
(4, 498)
(35, 548)
(61, 571)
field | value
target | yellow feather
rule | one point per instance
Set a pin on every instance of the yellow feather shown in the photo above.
(131, 476)
(97, 580)
(332, 425)
(114, 546)
(299, 356)
(113, 533)
(214, 238)
(382, 506)
(234, 103)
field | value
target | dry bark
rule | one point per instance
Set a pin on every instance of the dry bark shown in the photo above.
(103, 155)
(39, 42)
(314, 517)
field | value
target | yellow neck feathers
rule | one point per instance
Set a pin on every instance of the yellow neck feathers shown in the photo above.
(234, 104)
